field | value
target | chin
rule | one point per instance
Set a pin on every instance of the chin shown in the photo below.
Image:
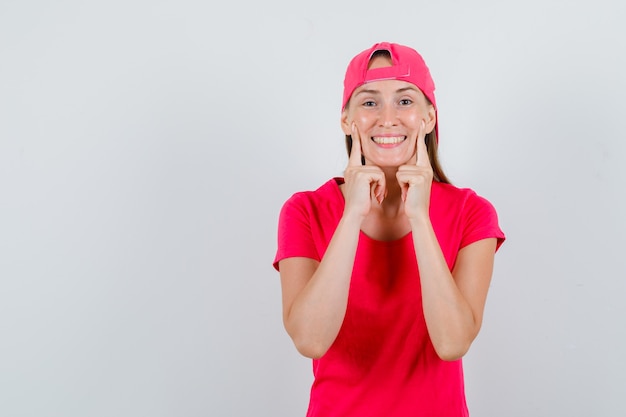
(389, 164)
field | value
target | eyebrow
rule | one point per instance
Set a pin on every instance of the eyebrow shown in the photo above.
(410, 88)
(400, 90)
(367, 92)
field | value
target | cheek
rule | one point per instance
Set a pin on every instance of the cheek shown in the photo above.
(363, 119)
(414, 118)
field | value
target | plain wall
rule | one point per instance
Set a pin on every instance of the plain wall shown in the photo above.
(146, 148)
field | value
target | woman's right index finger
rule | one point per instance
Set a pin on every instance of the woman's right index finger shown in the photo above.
(355, 151)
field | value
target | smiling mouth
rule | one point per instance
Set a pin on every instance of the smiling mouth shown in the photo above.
(388, 140)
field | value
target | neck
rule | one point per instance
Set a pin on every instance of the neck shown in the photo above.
(392, 205)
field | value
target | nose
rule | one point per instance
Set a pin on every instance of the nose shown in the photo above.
(387, 116)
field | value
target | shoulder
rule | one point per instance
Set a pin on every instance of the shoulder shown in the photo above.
(328, 194)
(451, 193)
(474, 216)
(455, 196)
(306, 220)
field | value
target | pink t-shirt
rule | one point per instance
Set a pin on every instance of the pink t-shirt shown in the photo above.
(382, 362)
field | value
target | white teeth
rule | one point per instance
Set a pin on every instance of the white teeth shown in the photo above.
(386, 140)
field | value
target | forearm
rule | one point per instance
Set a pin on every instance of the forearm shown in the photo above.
(449, 317)
(317, 312)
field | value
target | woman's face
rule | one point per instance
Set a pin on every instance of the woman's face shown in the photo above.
(388, 115)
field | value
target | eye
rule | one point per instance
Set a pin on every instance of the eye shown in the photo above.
(369, 103)
(406, 102)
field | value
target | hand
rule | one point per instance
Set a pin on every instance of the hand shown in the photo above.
(416, 179)
(362, 182)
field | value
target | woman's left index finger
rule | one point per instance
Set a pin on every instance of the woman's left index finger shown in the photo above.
(421, 157)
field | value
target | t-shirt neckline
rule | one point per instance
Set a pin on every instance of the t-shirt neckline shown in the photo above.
(339, 181)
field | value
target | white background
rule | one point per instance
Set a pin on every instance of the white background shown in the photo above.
(146, 148)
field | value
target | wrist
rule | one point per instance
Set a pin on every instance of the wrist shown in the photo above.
(351, 220)
(420, 222)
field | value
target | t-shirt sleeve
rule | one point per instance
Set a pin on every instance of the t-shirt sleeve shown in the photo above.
(481, 222)
(295, 237)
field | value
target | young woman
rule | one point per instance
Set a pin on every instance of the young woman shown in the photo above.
(385, 271)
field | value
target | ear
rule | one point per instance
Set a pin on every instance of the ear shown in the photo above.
(431, 119)
(345, 123)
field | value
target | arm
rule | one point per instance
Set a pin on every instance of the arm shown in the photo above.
(453, 302)
(315, 294)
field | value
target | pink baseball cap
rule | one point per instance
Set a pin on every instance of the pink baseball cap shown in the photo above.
(406, 65)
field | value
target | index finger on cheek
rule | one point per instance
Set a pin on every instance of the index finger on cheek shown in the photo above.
(355, 152)
(422, 152)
